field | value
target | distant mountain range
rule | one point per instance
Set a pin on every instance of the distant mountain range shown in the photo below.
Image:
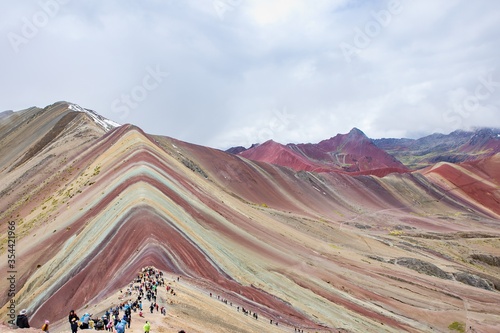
(458, 146)
(5, 114)
(355, 153)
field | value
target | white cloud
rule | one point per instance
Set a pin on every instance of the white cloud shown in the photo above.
(230, 71)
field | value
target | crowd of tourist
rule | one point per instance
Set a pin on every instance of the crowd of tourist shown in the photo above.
(142, 290)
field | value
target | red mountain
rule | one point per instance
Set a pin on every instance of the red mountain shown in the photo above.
(276, 153)
(353, 152)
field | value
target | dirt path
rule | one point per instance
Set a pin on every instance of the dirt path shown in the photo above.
(190, 308)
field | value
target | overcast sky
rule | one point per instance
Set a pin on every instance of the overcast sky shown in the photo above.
(222, 73)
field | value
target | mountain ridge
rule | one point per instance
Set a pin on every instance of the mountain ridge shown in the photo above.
(354, 152)
(457, 146)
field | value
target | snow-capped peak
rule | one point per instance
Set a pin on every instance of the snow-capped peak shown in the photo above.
(105, 123)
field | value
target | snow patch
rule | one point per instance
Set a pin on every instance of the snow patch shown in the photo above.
(105, 123)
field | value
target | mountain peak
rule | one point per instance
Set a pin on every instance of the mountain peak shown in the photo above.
(103, 122)
(271, 142)
(356, 131)
(351, 152)
(284, 155)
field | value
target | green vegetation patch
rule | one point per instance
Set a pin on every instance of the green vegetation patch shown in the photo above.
(457, 326)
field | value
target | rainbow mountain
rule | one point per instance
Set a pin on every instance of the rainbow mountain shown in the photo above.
(91, 202)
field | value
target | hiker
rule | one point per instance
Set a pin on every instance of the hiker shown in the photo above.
(115, 320)
(109, 326)
(74, 324)
(120, 327)
(22, 319)
(45, 327)
(128, 319)
(72, 315)
(99, 325)
(85, 321)
(105, 321)
(128, 312)
(147, 327)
